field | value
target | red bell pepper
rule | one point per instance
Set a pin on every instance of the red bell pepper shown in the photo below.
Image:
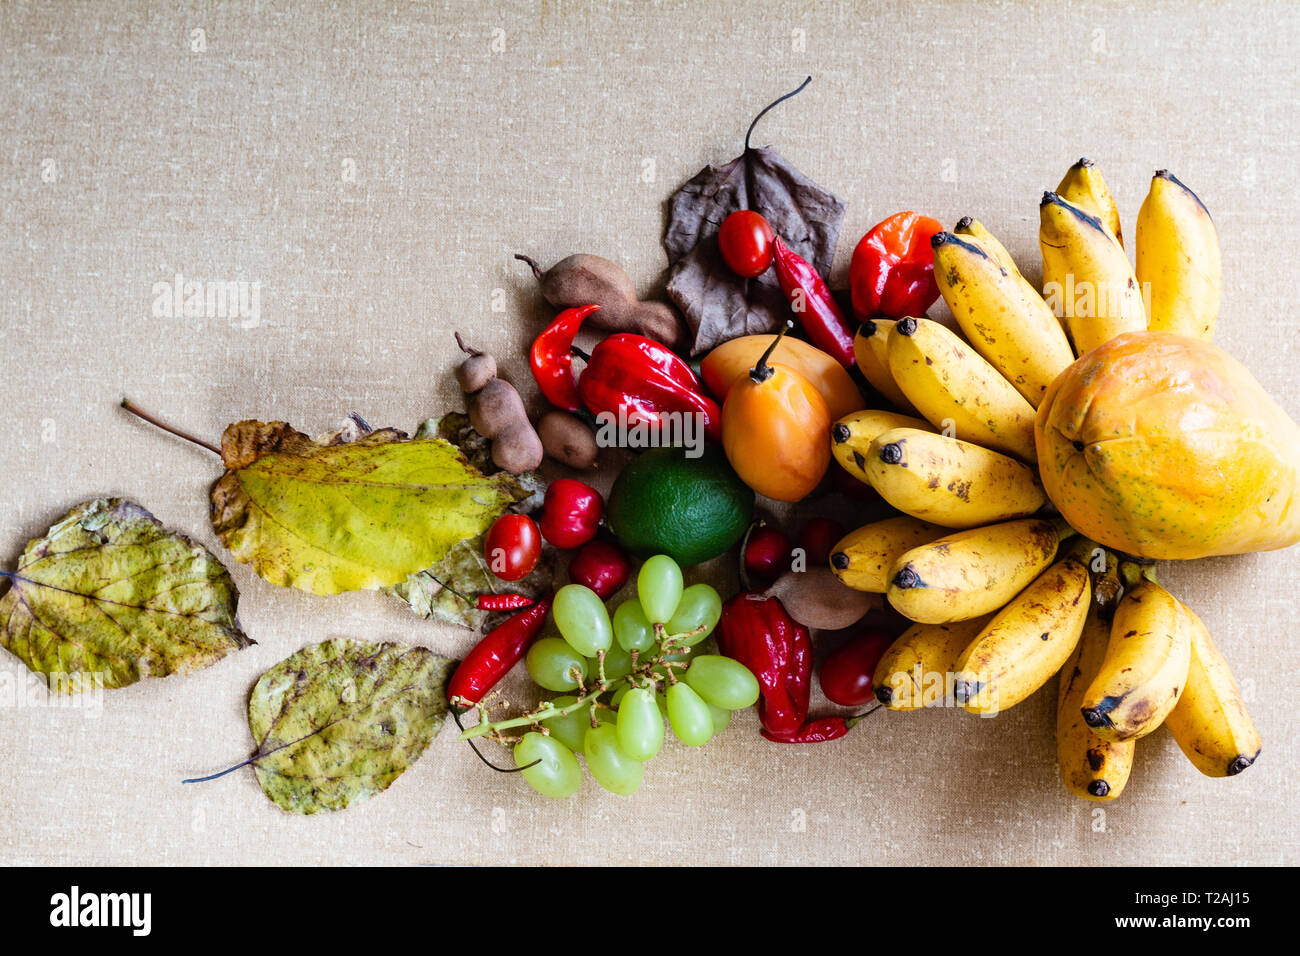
(814, 731)
(892, 271)
(552, 361)
(646, 380)
(760, 634)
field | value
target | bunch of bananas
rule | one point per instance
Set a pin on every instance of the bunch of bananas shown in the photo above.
(1003, 592)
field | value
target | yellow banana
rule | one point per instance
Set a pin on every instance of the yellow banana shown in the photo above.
(869, 352)
(862, 559)
(1091, 767)
(853, 434)
(1087, 277)
(1001, 315)
(1178, 264)
(957, 390)
(977, 233)
(916, 671)
(1026, 642)
(973, 572)
(1145, 666)
(974, 229)
(1084, 186)
(1210, 722)
(950, 482)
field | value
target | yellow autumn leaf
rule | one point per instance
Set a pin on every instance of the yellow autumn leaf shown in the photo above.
(335, 517)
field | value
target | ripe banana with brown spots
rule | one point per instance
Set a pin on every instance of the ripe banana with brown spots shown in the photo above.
(1091, 767)
(970, 573)
(1210, 722)
(1084, 186)
(863, 559)
(1145, 667)
(1087, 277)
(916, 670)
(853, 434)
(950, 482)
(1026, 642)
(957, 390)
(974, 229)
(1002, 316)
(869, 351)
(1178, 260)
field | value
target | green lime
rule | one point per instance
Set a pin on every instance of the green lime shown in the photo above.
(691, 509)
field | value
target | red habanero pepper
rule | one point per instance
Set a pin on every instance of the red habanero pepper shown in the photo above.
(502, 602)
(498, 651)
(812, 303)
(892, 271)
(759, 633)
(814, 731)
(645, 380)
(552, 362)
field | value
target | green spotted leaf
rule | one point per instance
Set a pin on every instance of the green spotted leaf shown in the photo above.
(109, 596)
(348, 515)
(338, 722)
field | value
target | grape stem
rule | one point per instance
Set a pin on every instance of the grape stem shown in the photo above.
(669, 645)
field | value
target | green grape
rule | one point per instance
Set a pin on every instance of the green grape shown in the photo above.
(571, 728)
(699, 605)
(633, 631)
(722, 681)
(622, 692)
(552, 664)
(721, 718)
(613, 769)
(582, 619)
(640, 725)
(618, 663)
(558, 774)
(659, 587)
(689, 715)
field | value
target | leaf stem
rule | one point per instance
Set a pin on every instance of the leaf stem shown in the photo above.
(766, 109)
(157, 422)
(215, 776)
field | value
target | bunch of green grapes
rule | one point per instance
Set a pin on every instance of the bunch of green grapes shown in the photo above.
(643, 661)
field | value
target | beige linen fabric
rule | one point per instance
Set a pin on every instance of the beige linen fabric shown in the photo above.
(369, 168)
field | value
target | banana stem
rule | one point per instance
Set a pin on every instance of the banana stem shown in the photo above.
(1133, 573)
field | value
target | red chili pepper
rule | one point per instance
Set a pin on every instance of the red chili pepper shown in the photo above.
(892, 271)
(820, 315)
(646, 380)
(813, 732)
(552, 362)
(778, 650)
(502, 602)
(500, 649)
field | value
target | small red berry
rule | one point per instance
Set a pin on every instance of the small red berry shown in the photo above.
(601, 566)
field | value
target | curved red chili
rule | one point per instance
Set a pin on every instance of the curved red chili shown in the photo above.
(813, 305)
(493, 656)
(502, 602)
(552, 362)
